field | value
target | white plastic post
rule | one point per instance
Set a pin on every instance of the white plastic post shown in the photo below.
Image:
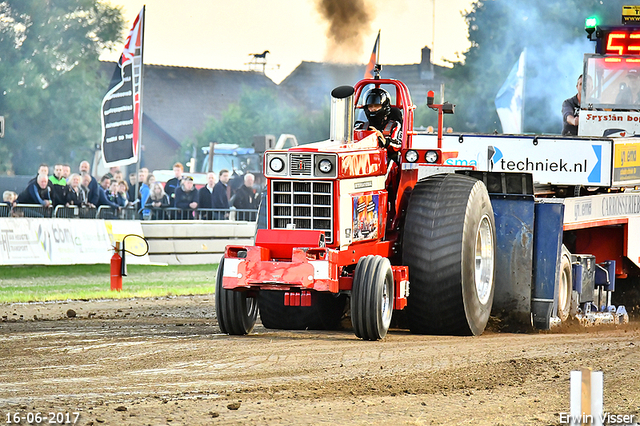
(586, 397)
(576, 396)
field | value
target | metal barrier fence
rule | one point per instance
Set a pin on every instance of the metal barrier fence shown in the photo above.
(30, 210)
(126, 213)
(74, 212)
(174, 213)
(102, 212)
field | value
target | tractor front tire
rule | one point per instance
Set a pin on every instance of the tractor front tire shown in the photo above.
(449, 244)
(236, 312)
(372, 297)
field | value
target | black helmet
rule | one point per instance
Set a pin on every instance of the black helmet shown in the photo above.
(377, 96)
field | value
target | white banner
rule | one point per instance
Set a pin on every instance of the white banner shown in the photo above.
(29, 241)
(609, 123)
(601, 207)
(557, 161)
(26, 241)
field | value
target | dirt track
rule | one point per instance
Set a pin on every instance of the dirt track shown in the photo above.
(164, 361)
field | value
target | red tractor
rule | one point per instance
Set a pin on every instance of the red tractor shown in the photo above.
(350, 226)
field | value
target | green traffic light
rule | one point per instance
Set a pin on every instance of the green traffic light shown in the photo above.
(591, 22)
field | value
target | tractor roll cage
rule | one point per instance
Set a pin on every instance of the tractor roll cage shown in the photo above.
(402, 101)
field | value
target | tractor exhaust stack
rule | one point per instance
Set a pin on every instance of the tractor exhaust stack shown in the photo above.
(342, 114)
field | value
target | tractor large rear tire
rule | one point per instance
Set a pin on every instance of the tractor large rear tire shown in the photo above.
(236, 312)
(325, 312)
(372, 297)
(449, 244)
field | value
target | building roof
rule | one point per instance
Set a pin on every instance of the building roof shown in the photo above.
(181, 99)
(177, 101)
(312, 82)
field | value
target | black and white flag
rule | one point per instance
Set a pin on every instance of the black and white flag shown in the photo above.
(121, 106)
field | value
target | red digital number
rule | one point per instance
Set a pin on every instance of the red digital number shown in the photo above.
(634, 48)
(616, 42)
(623, 43)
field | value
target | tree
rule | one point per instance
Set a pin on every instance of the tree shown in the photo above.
(50, 86)
(553, 33)
(258, 113)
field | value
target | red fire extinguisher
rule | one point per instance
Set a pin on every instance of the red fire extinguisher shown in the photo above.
(116, 269)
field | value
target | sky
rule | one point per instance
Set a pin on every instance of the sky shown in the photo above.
(222, 34)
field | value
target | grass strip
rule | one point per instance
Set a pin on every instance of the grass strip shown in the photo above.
(83, 282)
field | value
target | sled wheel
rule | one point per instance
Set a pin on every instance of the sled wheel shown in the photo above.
(236, 312)
(565, 285)
(449, 244)
(325, 312)
(372, 297)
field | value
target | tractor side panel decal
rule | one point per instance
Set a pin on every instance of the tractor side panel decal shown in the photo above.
(366, 223)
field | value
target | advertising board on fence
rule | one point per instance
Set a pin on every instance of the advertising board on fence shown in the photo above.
(32, 241)
(551, 160)
(626, 162)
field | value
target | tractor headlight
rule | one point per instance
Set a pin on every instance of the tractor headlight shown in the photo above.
(276, 164)
(325, 166)
(411, 156)
(431, 156)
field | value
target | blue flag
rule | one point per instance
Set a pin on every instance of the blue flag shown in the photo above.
(510, 98)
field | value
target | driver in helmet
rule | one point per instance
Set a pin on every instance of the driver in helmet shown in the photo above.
(386, 122)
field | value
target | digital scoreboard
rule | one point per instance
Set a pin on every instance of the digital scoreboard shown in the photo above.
(617, 40)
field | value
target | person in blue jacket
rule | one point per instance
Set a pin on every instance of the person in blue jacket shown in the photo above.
(37, 192)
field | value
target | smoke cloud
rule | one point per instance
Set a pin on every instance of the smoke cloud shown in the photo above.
(551, 78)
(553, 34)
(554, 61)
(349, 21)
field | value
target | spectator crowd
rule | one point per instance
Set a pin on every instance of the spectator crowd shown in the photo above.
(178, 198)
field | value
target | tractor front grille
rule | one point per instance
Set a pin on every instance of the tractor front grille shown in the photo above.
(300, 164)
(303, 205)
